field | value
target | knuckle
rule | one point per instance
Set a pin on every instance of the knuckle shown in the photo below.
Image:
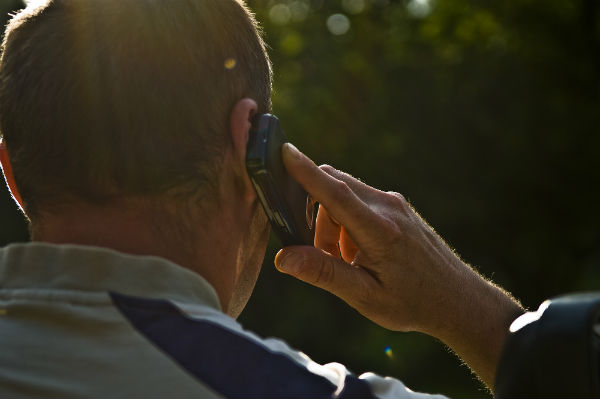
(328, 169)
(333, 172)
(396, 198)
(342, 190)
(398, 203)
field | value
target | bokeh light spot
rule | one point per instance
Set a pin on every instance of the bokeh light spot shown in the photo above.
(353, 6)
(381, 3)
(280, 14)
(299, 10)
(338, 24)
(419, 8)
(230, 63)
(292, 44)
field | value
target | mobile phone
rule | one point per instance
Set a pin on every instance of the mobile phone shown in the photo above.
(289, 208)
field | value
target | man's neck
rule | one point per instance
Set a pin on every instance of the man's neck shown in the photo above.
(206, 246)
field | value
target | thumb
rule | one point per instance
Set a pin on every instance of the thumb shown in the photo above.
(319, 268)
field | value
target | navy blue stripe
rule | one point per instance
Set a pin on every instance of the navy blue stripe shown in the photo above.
(231, 364)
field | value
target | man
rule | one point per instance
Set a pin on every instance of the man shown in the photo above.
(125, 127)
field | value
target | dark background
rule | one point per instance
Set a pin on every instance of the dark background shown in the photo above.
(484, 114)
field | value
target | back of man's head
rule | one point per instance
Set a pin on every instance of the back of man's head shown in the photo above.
(131, 97)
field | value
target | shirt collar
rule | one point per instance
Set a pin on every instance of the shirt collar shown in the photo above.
(86, 268)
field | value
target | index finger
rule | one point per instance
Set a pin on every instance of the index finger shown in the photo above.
(362, 190)
(336, 195)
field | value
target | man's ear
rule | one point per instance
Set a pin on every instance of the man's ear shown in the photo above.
(240, 123)
(8, 175)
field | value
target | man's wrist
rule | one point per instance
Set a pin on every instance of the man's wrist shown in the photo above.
(473, 319)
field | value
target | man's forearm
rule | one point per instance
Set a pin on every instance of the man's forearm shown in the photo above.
(474, 319)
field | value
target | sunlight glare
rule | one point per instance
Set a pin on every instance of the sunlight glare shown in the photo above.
(35, 3)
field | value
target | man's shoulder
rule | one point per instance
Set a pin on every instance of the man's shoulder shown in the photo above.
(234, 362)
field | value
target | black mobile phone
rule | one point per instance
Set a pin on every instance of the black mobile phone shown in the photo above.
(289, 208)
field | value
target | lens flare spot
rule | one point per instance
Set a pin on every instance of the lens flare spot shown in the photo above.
(388, 352)
(230, 63)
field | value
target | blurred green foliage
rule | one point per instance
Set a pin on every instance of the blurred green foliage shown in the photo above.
(486, 115)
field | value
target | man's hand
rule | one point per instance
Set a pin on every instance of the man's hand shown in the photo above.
(376, 253)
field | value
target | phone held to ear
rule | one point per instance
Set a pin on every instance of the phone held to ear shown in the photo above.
(288, 206)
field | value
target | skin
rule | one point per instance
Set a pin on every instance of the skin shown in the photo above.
(233, 235)
(394, 269)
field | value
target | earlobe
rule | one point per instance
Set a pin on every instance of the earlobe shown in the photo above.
(8, 175)
(240, 124)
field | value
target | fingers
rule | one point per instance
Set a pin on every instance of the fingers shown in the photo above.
(322, 270)
(362, 190)
(341, 201)
(347, 247)
(327, 233)
(333, 238)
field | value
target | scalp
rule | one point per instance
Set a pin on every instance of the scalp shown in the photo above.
(103, 98)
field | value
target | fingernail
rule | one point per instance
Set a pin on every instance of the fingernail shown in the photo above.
(288, 261)
(291, 151)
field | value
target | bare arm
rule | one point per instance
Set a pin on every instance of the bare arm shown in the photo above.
(394, 269)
